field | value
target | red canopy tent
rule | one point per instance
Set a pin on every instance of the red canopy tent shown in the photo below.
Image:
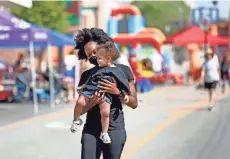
(195, 35)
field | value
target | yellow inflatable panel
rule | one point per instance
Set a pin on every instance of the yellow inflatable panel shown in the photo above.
(147, 74)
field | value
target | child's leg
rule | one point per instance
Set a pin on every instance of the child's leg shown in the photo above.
(81, 102)
(105, 111)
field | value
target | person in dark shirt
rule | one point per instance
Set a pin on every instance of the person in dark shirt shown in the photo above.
(106, 55)
(18, 64)
(87, 40)
(224, 71)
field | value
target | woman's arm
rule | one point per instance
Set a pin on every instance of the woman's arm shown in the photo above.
(132, 103)
(97, 98)
(111, 87)
(87, 107)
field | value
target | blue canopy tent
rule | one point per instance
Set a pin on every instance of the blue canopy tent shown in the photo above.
(20, 34)
(59, 39)
(27, 38)
(15, 27)
(56, 38)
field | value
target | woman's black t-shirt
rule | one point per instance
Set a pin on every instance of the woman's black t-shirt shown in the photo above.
(116, 121)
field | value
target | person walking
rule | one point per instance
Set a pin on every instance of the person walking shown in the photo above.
(87, 41)
(210, 75)
(224, 73)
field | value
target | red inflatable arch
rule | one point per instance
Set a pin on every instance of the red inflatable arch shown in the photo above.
(133, 39)
(127, 9)
(156, 31)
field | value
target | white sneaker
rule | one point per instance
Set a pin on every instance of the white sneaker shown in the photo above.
(75, 125)
(211, 107)
(105, 138)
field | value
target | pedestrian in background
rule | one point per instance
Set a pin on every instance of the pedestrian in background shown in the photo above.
(210, 75)
(224, 71)
(69, 73)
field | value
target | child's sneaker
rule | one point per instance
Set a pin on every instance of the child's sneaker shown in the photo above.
(75, 125)
(105, 138)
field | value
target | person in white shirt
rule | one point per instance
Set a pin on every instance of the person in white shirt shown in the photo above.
(210, 75)
(157, 62)
(70, 61)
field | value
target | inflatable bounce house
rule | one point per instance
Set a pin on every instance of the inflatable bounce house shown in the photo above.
(136, 35)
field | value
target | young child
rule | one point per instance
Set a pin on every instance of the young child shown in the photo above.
(106, 55)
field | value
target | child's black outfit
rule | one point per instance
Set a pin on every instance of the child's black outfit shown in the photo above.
(107, 73)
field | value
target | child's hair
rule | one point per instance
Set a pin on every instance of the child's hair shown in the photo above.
(111, 49)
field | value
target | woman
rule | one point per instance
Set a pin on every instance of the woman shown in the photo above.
(87, 41)
(210, 74)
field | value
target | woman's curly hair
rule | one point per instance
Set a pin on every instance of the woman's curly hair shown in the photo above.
(86, 35)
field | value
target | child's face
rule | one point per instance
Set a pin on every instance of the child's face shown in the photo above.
(102, 58)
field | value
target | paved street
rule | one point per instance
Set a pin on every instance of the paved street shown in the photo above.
(170, 123)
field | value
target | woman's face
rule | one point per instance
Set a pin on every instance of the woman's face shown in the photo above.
(90, 49)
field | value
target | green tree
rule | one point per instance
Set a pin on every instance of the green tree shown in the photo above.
(50, 14)
(161, 13)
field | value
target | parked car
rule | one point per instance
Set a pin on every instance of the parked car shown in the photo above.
(7, 82)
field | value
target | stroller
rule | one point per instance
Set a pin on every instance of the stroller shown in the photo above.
(59, 87)
(25, 91)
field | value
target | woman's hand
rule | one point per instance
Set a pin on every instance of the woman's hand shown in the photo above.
(97, 98)
(109, 87)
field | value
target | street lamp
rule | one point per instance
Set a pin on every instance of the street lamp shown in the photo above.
(215, 3)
